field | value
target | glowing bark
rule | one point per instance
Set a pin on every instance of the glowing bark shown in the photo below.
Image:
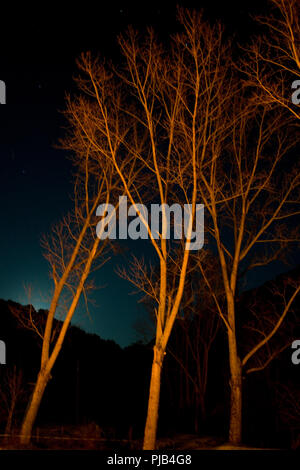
(235, 427)
(153, 401)
(34, 405)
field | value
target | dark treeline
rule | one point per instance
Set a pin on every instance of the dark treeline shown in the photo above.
(96, 381)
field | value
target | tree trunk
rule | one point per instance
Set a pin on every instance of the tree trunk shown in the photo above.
(202, 407)
(9, 419)
(235, 428)
(153, 402)
(31, 412)
(196, 416)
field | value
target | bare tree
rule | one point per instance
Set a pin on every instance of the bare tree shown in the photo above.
(252, 205)
(13, 392)
(272, 63)
(156, 114)
(71, 248)
(272, 69)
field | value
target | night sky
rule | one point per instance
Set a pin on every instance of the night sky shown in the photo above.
(38, 52)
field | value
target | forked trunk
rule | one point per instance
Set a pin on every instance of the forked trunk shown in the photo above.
(153, 402)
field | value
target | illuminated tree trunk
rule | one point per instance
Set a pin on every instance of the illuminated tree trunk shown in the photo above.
(153, 402)
(235, 428)
(9, 421)
(33, 407)
(48, 362)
